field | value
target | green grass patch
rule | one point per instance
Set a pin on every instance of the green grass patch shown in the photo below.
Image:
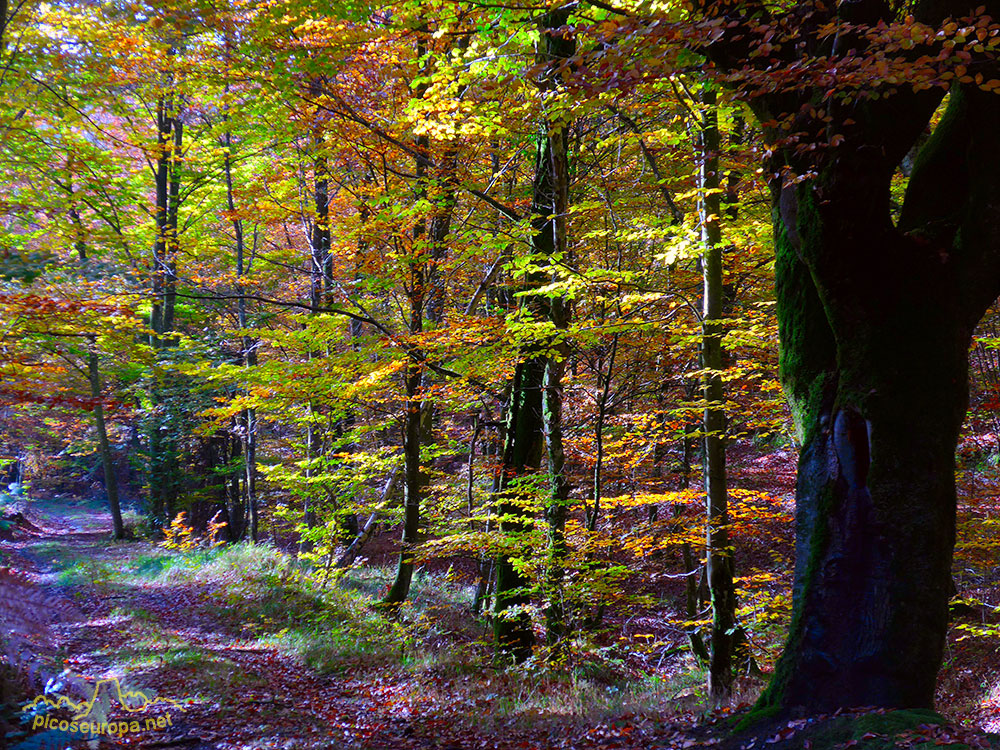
(58, 554)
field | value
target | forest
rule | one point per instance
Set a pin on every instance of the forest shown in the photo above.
(499, 374)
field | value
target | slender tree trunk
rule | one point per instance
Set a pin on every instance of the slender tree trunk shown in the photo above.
(602, 415)
(319, 260)
(107, 458)
(163, 480)
(160, 260)
(235, 507)
(248, 418)
(555, 615)
(349, 523)
(427, 296)
(173, 231)
(414, 479)
(413, 485)
(719, 554)
(692, 567)
(444, 202)
(94, 378)
(250, 469)
(535, 421)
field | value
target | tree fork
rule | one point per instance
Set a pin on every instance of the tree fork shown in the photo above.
(861, 302)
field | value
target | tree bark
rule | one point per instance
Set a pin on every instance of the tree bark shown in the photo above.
(414, 478)
(875, 323)
(107, 458)
(550, 209)
(534, 420)
(248, 347)
(163, 470)
(522, 456)
(320, 261)
(173, 230)
(599, 422)
(719, 558)
(162, 180)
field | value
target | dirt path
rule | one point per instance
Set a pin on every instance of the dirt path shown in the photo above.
(245, 696)
(179, 640)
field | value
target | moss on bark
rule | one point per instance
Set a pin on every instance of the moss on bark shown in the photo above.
(887, 730)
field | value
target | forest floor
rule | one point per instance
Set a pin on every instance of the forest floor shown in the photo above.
(201, 638)
(217, 636)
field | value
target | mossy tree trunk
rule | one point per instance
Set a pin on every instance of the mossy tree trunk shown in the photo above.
(550, 210)
(534, 419)
(719, 558)
(522, 456)
(875, 322)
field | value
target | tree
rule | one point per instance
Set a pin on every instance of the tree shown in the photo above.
(535, 408)
(719, 562)
(875, 317)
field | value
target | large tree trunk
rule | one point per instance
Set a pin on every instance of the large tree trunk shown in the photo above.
(875, 325)
(875, 320)
(879, 396)
(522, 456)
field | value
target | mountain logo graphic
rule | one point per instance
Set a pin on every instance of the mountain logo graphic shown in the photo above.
(132, 701)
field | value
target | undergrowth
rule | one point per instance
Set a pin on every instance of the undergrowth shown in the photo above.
(265, 598)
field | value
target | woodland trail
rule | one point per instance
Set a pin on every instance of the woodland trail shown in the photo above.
(177, 640)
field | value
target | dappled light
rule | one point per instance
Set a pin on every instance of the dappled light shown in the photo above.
(465, 375)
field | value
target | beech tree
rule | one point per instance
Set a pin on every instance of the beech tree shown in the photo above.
(876, 315)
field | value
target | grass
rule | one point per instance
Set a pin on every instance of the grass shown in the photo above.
(433, 648)
(572, 696)
(136, 525)
(437, 647)
(433, 642)
(60, 555)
